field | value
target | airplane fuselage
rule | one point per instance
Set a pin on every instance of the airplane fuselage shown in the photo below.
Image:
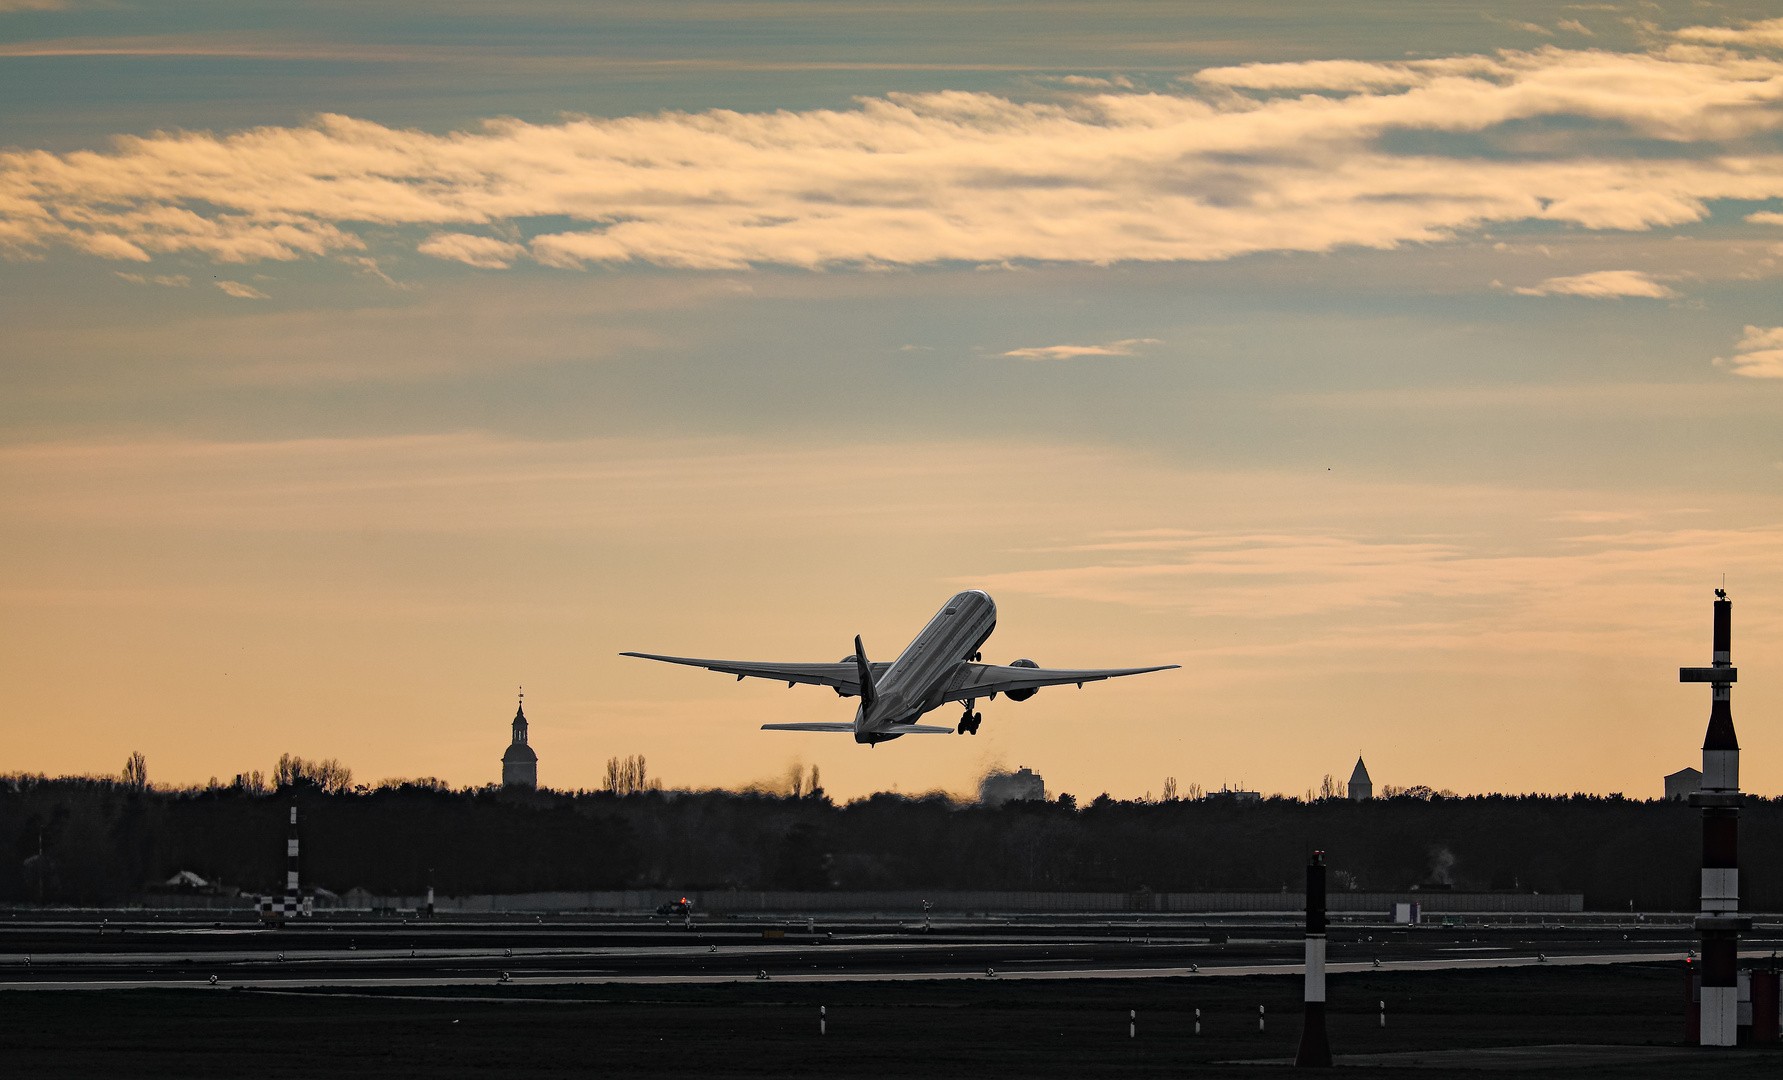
(919, 679)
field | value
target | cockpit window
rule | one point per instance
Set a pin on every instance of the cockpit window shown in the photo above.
(949, 611)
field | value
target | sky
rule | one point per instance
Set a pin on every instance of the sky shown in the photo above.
(1410, 373)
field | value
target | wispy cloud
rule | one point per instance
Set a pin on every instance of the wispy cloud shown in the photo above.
(1282, 574)
(241, 291)
(178, 281)
(1602, 285)
(370, 268)
(1765, 217)
(477, 57)
(1088, 81)
(458, 483)
(1229, 166)
(1763, 35)
(484, 251)
(1125, 347)
(1759, 353)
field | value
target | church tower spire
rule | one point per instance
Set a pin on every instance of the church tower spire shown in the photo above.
(520, 765)
(1361, 787)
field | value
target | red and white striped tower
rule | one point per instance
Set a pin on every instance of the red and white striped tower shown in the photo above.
(1720, 924)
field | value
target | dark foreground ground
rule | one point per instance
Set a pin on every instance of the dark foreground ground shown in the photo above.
(913, 1028)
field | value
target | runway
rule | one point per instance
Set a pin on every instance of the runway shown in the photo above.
(373, 954)
(596, 977)
(986, 996)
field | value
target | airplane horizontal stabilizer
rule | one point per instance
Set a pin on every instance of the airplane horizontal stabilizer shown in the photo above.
(917, 729)
(815, 727)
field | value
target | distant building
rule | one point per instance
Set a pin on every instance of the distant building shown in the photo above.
(520, 766)
(1683, 784)
(1361, 787)
(1236, 795)
(1022, 785)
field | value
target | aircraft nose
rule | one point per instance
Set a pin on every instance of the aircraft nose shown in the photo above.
(979, 596)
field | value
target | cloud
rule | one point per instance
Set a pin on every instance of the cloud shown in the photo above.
(370, 267)
(452, 483)
(1328, 75)
(1602, 285)
(1758, 35)
(1575, 26)
(1066, 352)
(108, 246)
(1260, 157)
(240, 291)
(283, 45)
(178, 281)
(1088, 81)
(483, 251)
(1300, 572)
(1759, 353)
(32, 5)
(1765, 217)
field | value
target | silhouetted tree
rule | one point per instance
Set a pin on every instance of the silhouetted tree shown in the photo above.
(136, 771)
(76, 840)
(330, 775)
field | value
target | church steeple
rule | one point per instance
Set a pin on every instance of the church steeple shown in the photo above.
(520, 765)
(1361, 787)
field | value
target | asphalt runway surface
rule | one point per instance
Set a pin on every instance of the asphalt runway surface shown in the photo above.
(349, 996)
(141, 950)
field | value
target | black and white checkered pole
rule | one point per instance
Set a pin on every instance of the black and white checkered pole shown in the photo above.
(1719, 798)
(1315, 1048)
(293, 901)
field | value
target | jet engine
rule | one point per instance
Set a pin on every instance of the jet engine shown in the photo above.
(849, 659)
(1022, 695)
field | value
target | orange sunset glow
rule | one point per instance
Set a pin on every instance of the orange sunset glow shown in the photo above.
(1410, 381)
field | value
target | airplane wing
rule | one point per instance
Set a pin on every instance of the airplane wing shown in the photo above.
(808, 727)
(843, 677)
(894, 729)
(983, 680)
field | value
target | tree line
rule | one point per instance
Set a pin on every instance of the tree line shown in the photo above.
(91, 841)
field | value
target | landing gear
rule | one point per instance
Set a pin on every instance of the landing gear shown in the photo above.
(970, 721)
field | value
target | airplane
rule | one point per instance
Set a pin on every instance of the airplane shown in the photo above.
(939, 666)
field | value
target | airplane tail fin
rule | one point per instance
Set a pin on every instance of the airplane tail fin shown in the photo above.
(869, 692)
